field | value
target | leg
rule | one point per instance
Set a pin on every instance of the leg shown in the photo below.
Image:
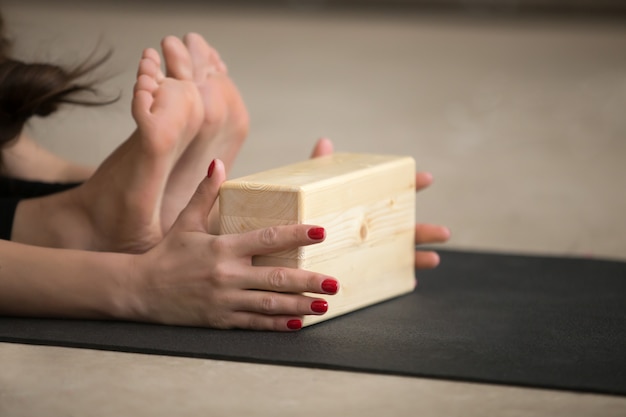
(225, 124)
(119, 207)
(168, 115)
(25, 159)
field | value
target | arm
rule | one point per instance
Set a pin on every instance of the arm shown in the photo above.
(190, 278)
(37, 281)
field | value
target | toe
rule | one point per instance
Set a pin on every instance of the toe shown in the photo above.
(149, 68)
(152, 55)
(204, 58)
(178, 62)
(221, 66)
(146, 83)
(142, 102)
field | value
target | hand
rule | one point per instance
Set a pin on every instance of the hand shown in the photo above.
(424, 233)
(194, 278)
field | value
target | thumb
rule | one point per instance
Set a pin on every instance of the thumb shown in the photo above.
(323, 147)
(194, 215)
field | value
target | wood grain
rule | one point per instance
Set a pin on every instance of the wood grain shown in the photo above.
(365, 202)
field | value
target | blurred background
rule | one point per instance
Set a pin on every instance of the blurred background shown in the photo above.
(517, 107)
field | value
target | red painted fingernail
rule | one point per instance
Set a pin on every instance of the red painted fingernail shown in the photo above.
(294, 324)
(319, 306)
(316, 233)
(211, 168)
(330, 286)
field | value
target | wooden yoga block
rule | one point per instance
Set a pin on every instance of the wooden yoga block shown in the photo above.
(365, 202)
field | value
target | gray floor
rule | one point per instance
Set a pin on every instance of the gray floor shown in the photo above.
(521, 122)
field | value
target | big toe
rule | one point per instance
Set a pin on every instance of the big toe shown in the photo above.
(178, 63)
(206, 60)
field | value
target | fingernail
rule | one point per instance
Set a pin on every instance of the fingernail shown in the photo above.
(211, 168)
(330, 286)
(294, 324)
(319, 306)
(316, 233)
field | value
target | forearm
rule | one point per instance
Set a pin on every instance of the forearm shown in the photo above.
(47, 282)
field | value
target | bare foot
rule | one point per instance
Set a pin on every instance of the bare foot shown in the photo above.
(124, 196)
(224, 127)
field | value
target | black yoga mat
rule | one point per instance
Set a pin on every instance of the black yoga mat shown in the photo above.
(517, 320)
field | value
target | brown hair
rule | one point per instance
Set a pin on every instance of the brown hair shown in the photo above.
(38, 89)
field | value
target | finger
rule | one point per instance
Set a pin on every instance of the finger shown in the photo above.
(287, 280)
(255, 321)
(277, 304)
(426, 260)
(274, 239)
(430, 233)
(423, 180)
(194, 215)
(323, 147)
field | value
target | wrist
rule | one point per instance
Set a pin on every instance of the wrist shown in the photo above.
(64, 283)
(126, 295)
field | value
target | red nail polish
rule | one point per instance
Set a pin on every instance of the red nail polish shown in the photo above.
(319, 306)
(316, 233)
(294, 324)
(211, 168)
(330, 286)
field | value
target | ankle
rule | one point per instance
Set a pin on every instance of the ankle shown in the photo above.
(55, 221)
